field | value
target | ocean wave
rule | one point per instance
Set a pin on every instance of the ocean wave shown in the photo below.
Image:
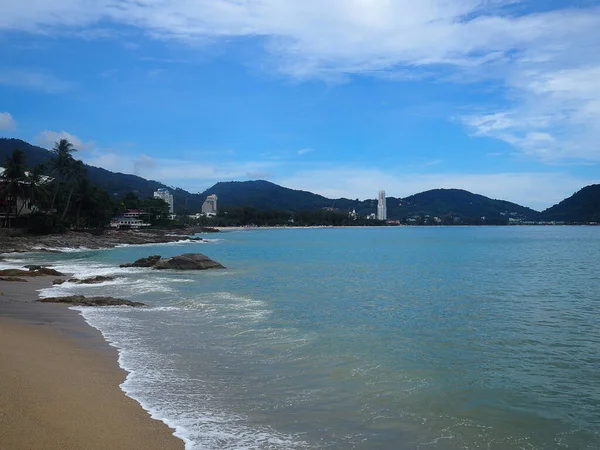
(183, 402)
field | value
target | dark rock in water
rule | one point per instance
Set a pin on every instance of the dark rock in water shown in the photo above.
(80, 300)
(150, 261)
(188, 261)
(33, 267)
(13, 279)
(58, 281)
(93, 280)
(48, 271)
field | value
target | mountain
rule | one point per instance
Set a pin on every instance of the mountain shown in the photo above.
(457, 202)
(266, 195)
(117, 184)
(583, 206)
(437, 202)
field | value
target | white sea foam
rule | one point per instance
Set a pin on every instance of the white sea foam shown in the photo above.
(182, 401)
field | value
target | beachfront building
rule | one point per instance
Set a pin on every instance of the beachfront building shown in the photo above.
(209, 207)
(165, 195)
(11, 207)
(381, 206)
(132, 218)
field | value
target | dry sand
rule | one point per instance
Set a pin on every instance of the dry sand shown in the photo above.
(59, 382)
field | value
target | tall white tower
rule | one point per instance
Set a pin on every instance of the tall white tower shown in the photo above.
(381, 207)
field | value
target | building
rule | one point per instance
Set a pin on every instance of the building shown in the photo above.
(209, 207)
(381, 207)
(11, 207)
(132, 218)
(165, 195)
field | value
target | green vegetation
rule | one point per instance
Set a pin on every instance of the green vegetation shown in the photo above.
(581, 207)
(235, 217)
(65, 200)
(263, 202)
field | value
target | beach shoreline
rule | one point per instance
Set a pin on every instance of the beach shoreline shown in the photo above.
(61, 381)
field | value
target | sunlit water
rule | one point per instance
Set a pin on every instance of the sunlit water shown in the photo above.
(378, 338)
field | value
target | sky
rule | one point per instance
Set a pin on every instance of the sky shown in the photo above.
(337, 97)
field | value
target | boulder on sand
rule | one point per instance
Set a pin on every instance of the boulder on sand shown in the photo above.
(80, 300)
(30, 273)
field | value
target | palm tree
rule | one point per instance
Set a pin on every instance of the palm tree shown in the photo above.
(37, 186)
(13, 178)
(74, 173)
(61, 164)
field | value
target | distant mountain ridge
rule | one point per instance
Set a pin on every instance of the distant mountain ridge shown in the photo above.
(583, 206)
(117, 184)
(437, 202)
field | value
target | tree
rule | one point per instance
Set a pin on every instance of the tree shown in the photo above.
(61, 165)
(36, 185)
(13, 181)
(131, 201)
(75, 172)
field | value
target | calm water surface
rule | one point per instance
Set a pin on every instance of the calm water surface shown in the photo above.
(383, 338)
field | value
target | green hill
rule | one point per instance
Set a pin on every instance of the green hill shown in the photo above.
(265, 195)
(115, 183)
(457, 202)
(583, 206)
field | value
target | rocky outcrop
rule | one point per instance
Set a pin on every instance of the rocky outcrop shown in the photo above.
(80, 300)
(94, 280)
(43, 271)
(187, 261)
(78, 239)
(13, 279)
(150, 261)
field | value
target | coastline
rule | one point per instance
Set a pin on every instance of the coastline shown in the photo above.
(85, 240)
(61, 381)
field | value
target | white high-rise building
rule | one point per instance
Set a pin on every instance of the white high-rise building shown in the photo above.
(209, 207)
(381, 207)
(165, 195)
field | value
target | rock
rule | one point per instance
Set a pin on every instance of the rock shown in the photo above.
(150, 261)
(16, 273)
(32, 267)
(58, 281)
(188, 261)
(93, 280)
(80, 300)
(44, 271)
(48, 271)
(13, 279)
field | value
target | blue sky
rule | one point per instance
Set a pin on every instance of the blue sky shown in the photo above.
(338, 97)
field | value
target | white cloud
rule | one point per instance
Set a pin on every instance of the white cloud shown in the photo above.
(48, 138)
(546, 62)
(536, 190)
(7, 123)
(31, 79)
(190, 175)
(304, 151)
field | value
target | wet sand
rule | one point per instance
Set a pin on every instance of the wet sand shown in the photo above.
(59, 381)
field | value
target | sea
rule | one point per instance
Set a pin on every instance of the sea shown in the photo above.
(360, 338)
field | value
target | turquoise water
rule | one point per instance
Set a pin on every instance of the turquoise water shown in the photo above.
(375, 338)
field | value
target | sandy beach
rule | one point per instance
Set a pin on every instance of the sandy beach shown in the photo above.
(60, 382)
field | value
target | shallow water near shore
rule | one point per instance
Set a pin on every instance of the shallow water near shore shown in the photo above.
(443, 338)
